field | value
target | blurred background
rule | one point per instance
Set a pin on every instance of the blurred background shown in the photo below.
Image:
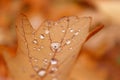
(100, 57)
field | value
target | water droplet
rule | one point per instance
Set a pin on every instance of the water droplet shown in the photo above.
(71, 30)
(42, 36)
(42, 47)
(56, 23)
(54, 79)
(68, 42)
(55, 46)
(36, 68)
(71, 48)
(76, 33)
(36, 60)
(54, 61)
(47, 31)
(53, 70)
(45, 61)
(63, 31)
(42, 73)
(38, 49)
(50, 54)
(35, 41)
(64, 20)
(34, 48)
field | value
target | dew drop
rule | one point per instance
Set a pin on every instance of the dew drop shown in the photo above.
(42, 73)
(54, 79)
(46, 31)
(45, 61)
(55, 46)
(36, 68)
(56, 23)
(71, 48)
(54, 61)
(68, 42)
(34, 48)
(35, 41)
(76, 33)
(63, 31)
(54, 68)
(71, 30)
(42, 36)
(35, 60)
(38, 49)
(50, 54)
(42, 47)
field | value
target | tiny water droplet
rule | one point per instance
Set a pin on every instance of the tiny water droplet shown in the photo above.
(53, 70)
(54, 79)
(56, 23)
(46, 31)
(42, 73)
(42, 47)
(42, 36)
(35, 41)
(71, 48)
(71, 30)
(34, 48)
(50, 54)
(55, 46)
(68, 42)
(76, 33)
(36, 68)
(54, 61)
(36, 60)
(38, 49)
(63, 31)
(45, 61)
